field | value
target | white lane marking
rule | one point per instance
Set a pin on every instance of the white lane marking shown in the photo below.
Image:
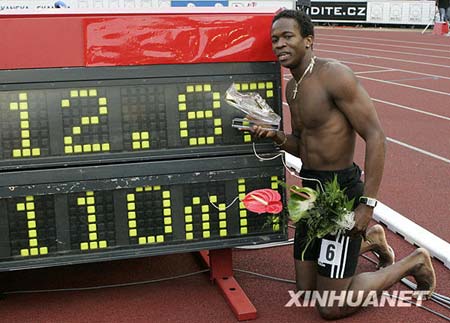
(387, 45)
(386, 58)
(398, 142)
(375, 71)
(414, 79)
(422, 151)
(396, 104)
(403, 107)
(384, 51)
(412, 109)
(395, 69)
(384, 40)
(406, 85)
(288, 76)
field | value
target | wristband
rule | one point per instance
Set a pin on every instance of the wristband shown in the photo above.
(369, 201)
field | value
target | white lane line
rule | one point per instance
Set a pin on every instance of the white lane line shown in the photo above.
(384, 51)
(386, 68)
(418, 150)
(422, 151)
(387, 58)
(384, 44)
(412, 109)
(288, 77)
(395, 69)
(406, 85)
(404, 107)
(414, 79)
(375, 71)
(384, 40)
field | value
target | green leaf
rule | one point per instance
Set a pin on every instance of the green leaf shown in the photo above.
(323, 212)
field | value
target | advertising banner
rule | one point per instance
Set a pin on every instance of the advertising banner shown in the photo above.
(338, 11)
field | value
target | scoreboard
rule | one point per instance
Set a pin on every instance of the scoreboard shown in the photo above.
(143, 112)
(120, 160)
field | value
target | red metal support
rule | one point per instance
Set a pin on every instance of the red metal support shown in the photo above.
(220, 263)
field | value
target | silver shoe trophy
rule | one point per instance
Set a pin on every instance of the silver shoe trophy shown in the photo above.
(255, 107)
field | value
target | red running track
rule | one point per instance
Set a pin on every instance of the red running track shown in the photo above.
(408, 76)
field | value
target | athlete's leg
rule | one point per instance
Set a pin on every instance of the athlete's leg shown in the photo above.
(305, 275)
(418, 264)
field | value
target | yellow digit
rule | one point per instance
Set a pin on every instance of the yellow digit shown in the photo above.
(70, 145)
(132, 214)
(189, 225)
(276, 220)
(207, 115)
(206, 218)
(222, 216)
(205, 221)
(94, 243)
(188, 218)
(22, 107)
(29, 209)
(140, 140)
(242, 210)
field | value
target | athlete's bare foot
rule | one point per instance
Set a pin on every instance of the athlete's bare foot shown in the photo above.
(376, 239)
(424, 275)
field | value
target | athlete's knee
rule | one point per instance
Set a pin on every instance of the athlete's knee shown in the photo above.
(376, 229)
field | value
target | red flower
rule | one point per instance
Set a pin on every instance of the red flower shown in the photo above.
(263, 201)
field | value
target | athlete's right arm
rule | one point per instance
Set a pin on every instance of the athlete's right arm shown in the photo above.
(287, 142)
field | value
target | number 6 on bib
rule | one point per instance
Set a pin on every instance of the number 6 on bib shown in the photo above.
(330, 252)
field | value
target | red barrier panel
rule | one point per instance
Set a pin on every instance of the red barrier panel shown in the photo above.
(57, 40)
(440, 28)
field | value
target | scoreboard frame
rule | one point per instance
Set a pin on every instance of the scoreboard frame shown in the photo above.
(72, 185)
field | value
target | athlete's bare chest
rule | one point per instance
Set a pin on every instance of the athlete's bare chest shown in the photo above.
(312, 107)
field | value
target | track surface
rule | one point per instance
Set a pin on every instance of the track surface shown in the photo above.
(408, 76)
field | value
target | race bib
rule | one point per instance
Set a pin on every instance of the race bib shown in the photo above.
(330, 252)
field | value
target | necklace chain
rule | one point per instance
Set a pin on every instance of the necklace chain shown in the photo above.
(308, 69)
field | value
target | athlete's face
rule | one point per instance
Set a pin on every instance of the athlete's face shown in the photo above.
(287, 42)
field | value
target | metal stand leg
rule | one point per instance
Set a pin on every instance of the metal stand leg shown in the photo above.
(221, 264)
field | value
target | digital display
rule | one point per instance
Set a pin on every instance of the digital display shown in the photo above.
(116, 140)
(97, 213)
(119, 162)
(97, 114)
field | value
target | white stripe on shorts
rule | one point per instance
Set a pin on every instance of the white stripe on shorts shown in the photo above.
(344, 256)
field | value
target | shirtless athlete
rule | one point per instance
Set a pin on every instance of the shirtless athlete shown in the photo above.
(328, 108)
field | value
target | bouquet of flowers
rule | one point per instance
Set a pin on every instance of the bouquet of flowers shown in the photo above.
(326, 211)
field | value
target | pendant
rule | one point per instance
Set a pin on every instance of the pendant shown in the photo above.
(295, 92)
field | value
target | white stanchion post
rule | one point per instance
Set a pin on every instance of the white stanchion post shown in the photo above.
(432, 20)
(413, 233)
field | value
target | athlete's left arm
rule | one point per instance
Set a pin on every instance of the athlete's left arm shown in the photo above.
(354, 102)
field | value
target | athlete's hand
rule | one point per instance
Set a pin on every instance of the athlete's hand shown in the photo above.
(261, 132)
(363, 215)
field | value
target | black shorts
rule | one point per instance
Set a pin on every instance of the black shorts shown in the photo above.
(336, 256)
